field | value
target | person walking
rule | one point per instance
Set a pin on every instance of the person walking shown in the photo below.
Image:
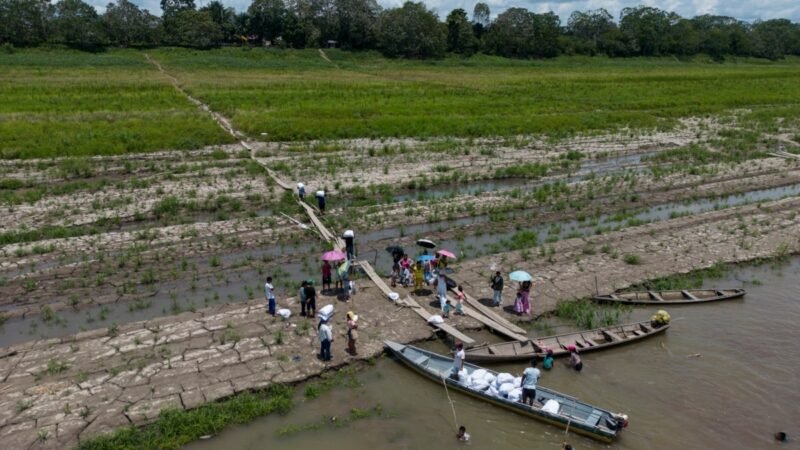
(321, 201)
(311, 298)
(352, 332)
(303, 298)
(301, 191)
(530, 377)
(325, 340)
(269, 293)
(461, 297)
(441, 289)
(497, 289)
(326, 274)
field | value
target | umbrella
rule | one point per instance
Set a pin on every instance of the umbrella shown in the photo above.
(427, 243)
(423, 258)
(447, 253)
(333, 255)
(343, 268)
(395, 249)
(520, 275)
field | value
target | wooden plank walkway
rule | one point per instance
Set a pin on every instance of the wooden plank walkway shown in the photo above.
(491, 323)
(486, 311)
(416, 307)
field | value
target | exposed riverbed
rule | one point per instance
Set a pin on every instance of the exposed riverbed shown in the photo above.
(724, 376)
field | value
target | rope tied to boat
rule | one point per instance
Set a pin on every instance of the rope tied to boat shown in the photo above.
(452, 406)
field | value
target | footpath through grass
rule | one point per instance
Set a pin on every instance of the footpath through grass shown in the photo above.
(63, 103)
(67, 103)
(296, 95)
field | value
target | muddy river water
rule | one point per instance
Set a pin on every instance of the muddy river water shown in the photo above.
(725, 375)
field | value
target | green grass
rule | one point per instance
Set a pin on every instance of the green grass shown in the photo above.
(67, 103)
(61, 102)
(175, 428)
(297, 96)
(691, 280)
(587, 314)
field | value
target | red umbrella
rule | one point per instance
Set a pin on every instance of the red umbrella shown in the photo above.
(333, 255)
(447, 253)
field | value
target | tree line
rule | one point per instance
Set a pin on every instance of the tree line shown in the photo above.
(411, 30)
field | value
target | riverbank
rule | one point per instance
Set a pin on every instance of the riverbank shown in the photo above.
(94, 382)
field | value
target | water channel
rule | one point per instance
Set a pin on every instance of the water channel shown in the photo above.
(725, 375)
(231, 288)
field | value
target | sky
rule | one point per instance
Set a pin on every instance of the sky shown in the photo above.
(748, 10)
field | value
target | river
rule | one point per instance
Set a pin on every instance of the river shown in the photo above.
(725, 375)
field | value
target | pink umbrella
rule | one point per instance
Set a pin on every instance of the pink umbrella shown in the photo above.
(333, 255)
(447, 253)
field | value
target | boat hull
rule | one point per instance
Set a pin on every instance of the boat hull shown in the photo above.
(519, 408)
(646, 298)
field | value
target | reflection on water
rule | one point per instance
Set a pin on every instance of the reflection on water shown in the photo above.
(724, 376)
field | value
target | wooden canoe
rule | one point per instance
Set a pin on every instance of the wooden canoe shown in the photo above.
(670, 297)
(580, 417)
(584, 341)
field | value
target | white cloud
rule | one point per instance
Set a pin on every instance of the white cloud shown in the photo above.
(748, 10)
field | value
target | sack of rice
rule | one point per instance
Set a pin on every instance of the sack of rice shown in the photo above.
(515, 394)
(489, 377)
(505, 388)
(504, 378)
(285, 313)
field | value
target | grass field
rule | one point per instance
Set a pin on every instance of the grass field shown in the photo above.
(68, 103)
(62, 103)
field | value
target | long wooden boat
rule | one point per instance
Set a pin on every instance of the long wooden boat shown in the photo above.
(581, 417)
(670, 297)
(584, 341)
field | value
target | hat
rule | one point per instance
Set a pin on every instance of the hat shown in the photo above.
(572, 348)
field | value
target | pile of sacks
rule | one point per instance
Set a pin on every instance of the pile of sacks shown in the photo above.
(503, 385)
(660, 318)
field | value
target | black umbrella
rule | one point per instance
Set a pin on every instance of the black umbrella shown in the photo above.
(427, 243)
(395, 249)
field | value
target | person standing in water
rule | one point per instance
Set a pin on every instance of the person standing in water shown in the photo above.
(269, 293)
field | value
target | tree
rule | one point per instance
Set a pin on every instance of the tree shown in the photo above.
(411, 31)
(646, 28)
(77, 24)
(169, 7)
(594, 31)
(267, 18)
(682, 38)
(23, 22)
(511, 34)
(460, 37)
(225, 17)
(126, 25)
(356, 23)
(520, 33)
(481, 18)
(775, 38)
(195, 29)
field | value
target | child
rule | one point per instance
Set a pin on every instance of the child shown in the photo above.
(418, 277)
(461, 296)
(447, 308)
(269, 292)
(462, 434)
(548, 360)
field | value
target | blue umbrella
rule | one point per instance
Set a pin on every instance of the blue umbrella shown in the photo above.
(423, 258)
(520, 275)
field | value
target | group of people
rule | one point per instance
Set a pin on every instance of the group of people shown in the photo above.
(326, 336)
(522, 302)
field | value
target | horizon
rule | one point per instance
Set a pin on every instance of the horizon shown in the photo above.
(777, 9)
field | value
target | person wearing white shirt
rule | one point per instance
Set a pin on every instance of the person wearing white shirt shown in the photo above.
(458, 360)
(528, 383)
(325, 339)
(269, 293)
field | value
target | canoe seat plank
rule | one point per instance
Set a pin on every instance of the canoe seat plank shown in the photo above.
(593, 418)
(655, 296)
(421, 360)
(637, 332)
(646, 328)
(689, 295)
(611, 335)
(591, 341)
